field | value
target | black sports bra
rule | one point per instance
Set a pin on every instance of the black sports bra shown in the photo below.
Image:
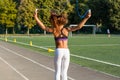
(62, 36)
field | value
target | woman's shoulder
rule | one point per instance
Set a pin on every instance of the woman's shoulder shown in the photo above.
(67, 28)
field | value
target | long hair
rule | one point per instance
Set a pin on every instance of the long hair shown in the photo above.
(58, 20)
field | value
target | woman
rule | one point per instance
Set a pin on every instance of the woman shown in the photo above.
(62, 54)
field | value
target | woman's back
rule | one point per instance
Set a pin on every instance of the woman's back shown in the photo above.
(61, 38)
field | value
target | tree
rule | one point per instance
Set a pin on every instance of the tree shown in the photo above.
(7, 14)
(25, 14)
(81, 7)
(45, 6)
(114, 13)
(106, 12)
(99, 10)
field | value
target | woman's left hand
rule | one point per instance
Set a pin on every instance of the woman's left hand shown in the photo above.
(35, 13)
(88, 14)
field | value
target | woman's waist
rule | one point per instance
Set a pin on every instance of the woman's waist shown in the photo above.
(62, 49)
(64, 46)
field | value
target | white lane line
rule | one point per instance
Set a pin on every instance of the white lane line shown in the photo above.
(14, 69)
(29, 44)
(48, 68)
(91, 59)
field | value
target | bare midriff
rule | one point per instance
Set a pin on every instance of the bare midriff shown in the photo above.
(61, 44)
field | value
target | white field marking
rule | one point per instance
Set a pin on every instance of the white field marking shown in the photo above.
(14, 69)
(92, 37)
(91, 59)
(48, 68)
(98, 45)
(92, 45)
(69, 45)
(83, 56)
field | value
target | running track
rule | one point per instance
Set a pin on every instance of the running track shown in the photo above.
(17, 63)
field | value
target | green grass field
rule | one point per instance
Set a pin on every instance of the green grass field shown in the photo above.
(98, 47)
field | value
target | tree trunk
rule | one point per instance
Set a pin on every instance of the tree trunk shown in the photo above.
(6, 31)
(28, 31)
(13, 31)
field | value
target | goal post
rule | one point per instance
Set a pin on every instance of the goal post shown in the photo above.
(93, 28)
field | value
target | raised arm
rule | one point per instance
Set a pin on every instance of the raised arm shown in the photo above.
(40, 23)
(81, 24)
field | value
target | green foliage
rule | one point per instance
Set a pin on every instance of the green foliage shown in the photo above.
(104, 12)
(25, 14)
(7, 13)
(82, 7)
(99, 10)
(45, 6)
(114, 13)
